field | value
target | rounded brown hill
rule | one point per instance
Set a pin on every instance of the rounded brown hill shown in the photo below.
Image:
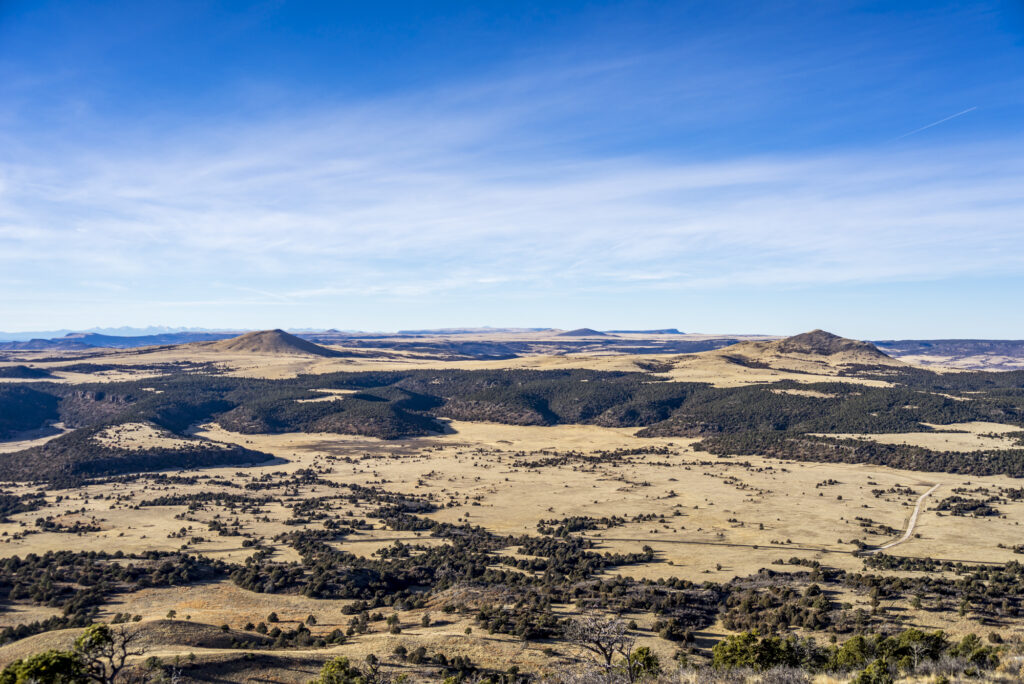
(583, 332)
(270, 342)
(814, 352)
(823, 343)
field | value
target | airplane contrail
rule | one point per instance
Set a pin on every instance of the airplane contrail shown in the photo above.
(935, 123)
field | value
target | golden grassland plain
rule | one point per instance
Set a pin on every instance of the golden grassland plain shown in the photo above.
(706, 517)
(735, 516)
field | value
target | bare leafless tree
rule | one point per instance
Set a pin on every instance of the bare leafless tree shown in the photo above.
(105, 650)
(602, 636)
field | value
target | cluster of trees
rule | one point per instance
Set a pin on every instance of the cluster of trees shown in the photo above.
(568, 556)
(79, 583)
(875, 658)
(577, 523)
(357, 414)
(843, 408)
(777, 608)
(449, 669)
(12, 504)
(275, 637)
(967, 506)
(793, 447)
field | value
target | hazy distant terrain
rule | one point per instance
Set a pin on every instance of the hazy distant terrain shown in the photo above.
(961, 354)
(500, 343)
(469, 342)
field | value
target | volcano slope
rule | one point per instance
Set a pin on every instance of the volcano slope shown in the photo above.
(275, 342)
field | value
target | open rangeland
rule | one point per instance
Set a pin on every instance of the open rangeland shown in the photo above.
(483, 540)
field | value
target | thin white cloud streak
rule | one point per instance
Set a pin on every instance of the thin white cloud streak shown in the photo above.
(935, 123)
(408, 199)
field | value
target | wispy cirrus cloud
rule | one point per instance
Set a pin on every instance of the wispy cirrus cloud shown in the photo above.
(413, 201)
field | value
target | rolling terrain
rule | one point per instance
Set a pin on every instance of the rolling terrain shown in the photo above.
(257, 506)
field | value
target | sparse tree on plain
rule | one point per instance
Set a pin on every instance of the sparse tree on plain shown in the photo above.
(606, 638)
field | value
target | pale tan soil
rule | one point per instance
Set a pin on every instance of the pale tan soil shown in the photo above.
(367, 542)
(223, 602)
(974, 436)
(814, 394)
(993, 362)
(137, 436)
(780, 496)
(12, 614)
(701, 544)
(329, 395)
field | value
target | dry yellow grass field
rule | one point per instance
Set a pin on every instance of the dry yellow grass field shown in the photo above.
(723, 517)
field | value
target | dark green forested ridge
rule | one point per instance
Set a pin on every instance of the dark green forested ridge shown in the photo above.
(23, 407)
(22, 372)
(758, 419)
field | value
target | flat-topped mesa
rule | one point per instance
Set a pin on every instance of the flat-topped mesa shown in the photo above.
(823, 343)
(270, 342)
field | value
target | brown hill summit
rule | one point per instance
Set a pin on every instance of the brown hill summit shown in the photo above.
(583, 332)
(815, 353)
(824, 343)
(270, 342)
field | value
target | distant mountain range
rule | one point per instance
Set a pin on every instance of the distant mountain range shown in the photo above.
(469, 331)
(91, 340)
(658, 331)
(115, 332)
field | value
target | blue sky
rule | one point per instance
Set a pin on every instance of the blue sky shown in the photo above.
(713, 166)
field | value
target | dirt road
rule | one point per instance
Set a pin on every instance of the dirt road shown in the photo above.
(910, 524)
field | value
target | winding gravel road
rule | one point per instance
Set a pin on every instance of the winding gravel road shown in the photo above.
(910, 525)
